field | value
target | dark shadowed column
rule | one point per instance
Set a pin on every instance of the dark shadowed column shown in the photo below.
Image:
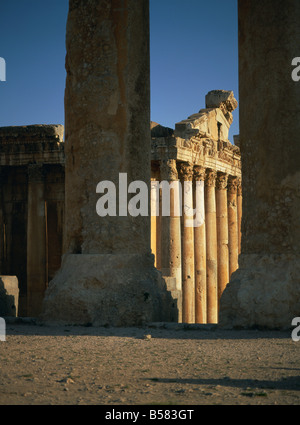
(265, 291)
(107, 274)
(36, 240)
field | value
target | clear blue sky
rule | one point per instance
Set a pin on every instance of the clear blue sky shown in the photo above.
(194, 49)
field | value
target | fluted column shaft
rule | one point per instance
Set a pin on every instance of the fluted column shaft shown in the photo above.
(233, 242)
(240, 212)
(222, 232)
(170, 228)
(36, 241)
(200, 247)
(187, 232)
(211, 247)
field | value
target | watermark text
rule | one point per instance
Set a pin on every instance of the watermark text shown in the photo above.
(2, 69)
(296, 71)
(176, 199)
(2, 330)
(296, 331)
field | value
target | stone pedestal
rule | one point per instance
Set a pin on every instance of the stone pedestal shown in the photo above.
(108, 289)
(265, 291)
(108, 274)
(9, 296)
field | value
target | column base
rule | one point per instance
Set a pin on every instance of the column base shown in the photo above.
(264, 292)
(107, 290)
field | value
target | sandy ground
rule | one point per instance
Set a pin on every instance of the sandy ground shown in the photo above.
(42, 365)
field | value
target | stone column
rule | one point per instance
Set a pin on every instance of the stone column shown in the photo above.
(2, 222)
(200, 248)
(211, 246)
(158, 233)
(187, 232)
(233, 240)
(154, 204)
(170, 228)
(265, 291)
(107, 274)
(240, 211)
(222, 232)
(36, 241)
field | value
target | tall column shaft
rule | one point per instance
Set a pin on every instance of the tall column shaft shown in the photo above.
(211, 247)
(240, 212)
(170, 230)
(222, 232)
(154, 205)
(2, 222)
(36, 241)
(187, 232)
(265, 290)
(200, 248)
(233, 238)
(107, 275)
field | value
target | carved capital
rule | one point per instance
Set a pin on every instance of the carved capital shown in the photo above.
(210, 179)
(186, 171)
(222, 180)
(168, 170)
(232, 184)
(36, 173)
(239, 187)
(199, 173)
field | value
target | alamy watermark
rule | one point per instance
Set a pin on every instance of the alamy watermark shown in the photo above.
(296, 71)
(2, 69)
(2, 330)
(186, 200)
(296, 331)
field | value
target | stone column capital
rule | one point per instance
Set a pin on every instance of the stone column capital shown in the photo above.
(239, 187)
(232, 184)
(221, 181)
(210, 178)
(186, 171)
(199, 173)
(36, 173)
(168, 170)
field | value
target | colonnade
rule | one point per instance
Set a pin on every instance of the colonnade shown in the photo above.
(201, 256)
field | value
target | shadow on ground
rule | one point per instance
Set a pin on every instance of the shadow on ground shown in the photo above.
(289, 383)
(29, 326)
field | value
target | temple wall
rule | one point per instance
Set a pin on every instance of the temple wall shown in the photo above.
(32, 209)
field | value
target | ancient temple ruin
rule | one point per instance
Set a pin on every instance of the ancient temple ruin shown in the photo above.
(107, 274)
(200, 259)
(196, 262)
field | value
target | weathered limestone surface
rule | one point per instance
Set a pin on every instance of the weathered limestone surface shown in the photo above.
(108, 274)
(9, 296)
(199, 150)
(31, 133)
(265, 291)
(214, 121)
